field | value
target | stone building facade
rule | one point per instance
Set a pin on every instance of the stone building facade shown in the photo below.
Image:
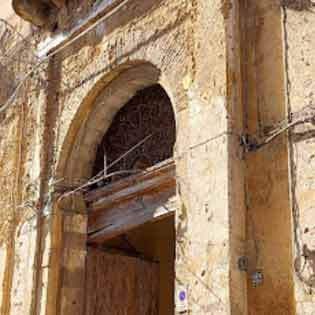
(215, 102)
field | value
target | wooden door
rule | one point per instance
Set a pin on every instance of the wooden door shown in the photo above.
(118, 284)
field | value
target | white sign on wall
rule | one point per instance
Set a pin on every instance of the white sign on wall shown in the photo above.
(181, 299)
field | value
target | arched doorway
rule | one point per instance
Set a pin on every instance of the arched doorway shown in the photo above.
(131, 205)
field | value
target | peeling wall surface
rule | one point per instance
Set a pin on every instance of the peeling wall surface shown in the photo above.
(240, 77)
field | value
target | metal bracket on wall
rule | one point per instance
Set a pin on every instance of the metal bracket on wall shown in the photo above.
(257, 278)
(249, 143)
(243, 263)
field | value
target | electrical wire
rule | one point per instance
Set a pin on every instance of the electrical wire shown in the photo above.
(55, 52)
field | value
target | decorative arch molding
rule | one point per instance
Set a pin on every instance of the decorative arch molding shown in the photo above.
(95, 115)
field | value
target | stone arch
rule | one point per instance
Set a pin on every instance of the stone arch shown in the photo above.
(95, 115)
(77, 156)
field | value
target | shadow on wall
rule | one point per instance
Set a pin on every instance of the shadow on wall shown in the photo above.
(299, 5)
(7, 83)
(304, 266)
(70, 15)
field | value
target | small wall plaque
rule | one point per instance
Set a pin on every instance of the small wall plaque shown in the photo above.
(257, 278)
(181, 299)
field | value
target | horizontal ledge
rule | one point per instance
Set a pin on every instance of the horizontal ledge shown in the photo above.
(160, 176)
(52, 45)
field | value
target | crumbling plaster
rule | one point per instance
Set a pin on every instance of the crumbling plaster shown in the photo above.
(175, 47)
(195, 50)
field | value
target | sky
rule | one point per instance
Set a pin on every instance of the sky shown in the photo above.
(6, 10)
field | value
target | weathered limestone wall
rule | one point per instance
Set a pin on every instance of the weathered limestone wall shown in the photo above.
(229, 70)
(299, 25)
(20, 169)
(43, 273)
(19, 198)
(176, 47)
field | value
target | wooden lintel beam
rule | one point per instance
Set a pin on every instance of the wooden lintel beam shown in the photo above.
(154, 178)
(122, 206)
(128, 217)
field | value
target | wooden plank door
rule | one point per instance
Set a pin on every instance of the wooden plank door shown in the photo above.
(118, 284)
